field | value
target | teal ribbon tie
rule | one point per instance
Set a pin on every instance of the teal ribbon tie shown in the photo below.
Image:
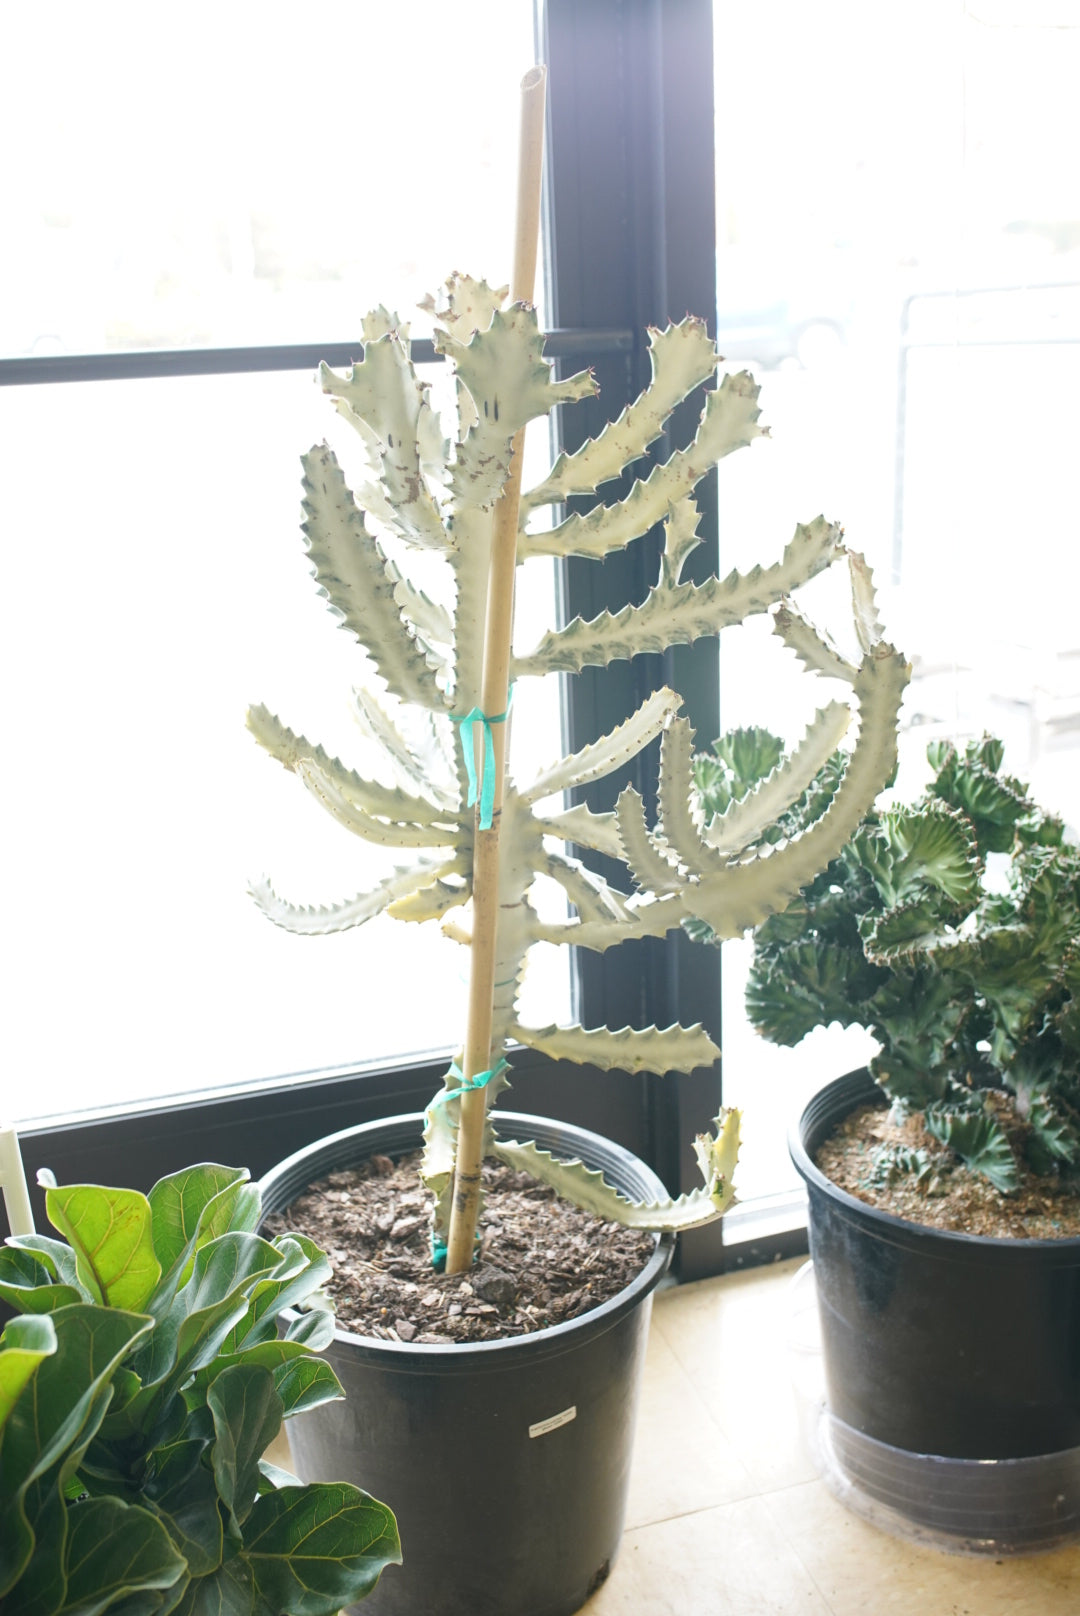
(486, 784)
(480, 1081)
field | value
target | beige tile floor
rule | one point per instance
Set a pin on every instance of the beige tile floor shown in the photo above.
(727, 1516)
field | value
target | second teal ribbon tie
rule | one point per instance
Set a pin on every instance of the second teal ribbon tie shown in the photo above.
(480, 1081)
(485, 786)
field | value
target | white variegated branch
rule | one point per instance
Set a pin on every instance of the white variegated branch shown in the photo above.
(864, 603)
(676, 828)
(470, 563)
(350, 570)
(430, 620)
(592, 896)
(645, 856)
(367, 796)
(316, 922)
(733, 896)
(432, 903)
(729, 833)
(680, 540)
(728, 422)
(650, 1049)
(425, 765)
(743, 895)
(510, 383)
(650, 917)
(598, 832)
(678, 614)
(682, 357)
(814, 650)
(384, 392)
(464, 305)
(441, 496)
(384, 832)
(717, 1156)
(610, 752)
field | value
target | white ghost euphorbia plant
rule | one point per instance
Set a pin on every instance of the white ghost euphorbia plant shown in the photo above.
(430, 493)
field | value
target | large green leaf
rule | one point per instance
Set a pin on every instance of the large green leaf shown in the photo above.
(300, 1380)
(314, 1328)
(228, 1591)
(181, 1490)
(304, 1269)
(150, 1602)
(247, 1415)
(195, 1206)
(206, 1310)
(90, 1343)
(28, 1283)
(22, 1346)
(313, 1549)
(48, 1430)
(110, 1231)
(113, 1551)
(57, 1256)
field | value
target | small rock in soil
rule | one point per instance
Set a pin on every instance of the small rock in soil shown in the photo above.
(494, 1284)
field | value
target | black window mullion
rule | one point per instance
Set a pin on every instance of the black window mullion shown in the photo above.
(632, 243)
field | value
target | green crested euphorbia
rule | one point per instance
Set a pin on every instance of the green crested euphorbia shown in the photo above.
(949, 927)
(434, 488)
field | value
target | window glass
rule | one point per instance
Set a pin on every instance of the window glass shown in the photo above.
(241, 174)
(899, 264)
(156, 585)
(233, 179)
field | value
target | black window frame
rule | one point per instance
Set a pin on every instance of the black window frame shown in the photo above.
(631, 238)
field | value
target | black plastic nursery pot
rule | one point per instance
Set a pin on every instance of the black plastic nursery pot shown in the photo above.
(506, 1462)
(948, 1347)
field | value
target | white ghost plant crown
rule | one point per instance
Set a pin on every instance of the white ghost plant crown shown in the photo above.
(422, 702)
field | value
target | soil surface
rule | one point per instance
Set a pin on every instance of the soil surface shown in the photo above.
(540, 1260)
(950, 1196)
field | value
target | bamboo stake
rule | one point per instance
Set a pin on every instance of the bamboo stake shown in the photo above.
(13, 1183)
(495, 691)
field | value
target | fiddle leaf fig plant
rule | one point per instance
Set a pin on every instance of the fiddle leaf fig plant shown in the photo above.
(460, 827)
(139, 1390)
(949, 928)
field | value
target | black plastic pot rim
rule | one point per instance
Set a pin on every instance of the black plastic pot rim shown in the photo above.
(861, 1088)
(505, 1353)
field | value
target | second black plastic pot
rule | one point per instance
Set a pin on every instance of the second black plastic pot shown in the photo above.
(938, 1343)
(507, 1463)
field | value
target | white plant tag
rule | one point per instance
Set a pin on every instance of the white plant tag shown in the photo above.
(542, 1427)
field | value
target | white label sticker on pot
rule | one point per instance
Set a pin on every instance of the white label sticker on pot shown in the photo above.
(542, 1427)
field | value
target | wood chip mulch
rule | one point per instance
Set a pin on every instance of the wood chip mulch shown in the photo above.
(1042, 1208)
(540, 1261)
